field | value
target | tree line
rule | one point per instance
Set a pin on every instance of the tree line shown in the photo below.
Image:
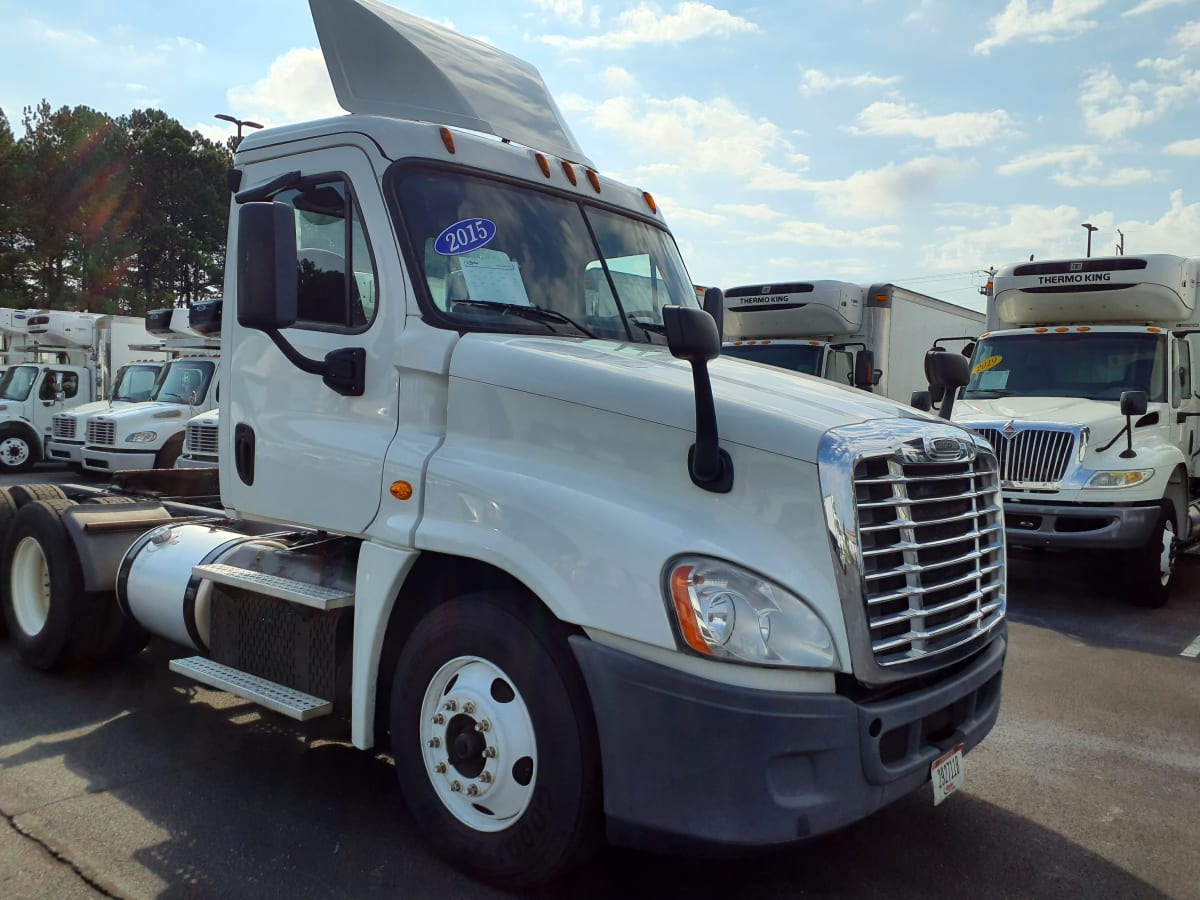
(110, 215)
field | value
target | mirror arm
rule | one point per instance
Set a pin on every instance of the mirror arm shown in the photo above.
(343, 370)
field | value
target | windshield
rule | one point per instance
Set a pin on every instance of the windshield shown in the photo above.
(184, 381)
(1090, 365)
(17, 382)
(499, 257)
(135, 383)
(803, 358)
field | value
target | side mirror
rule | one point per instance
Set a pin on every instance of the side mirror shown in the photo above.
(876, 377)
(921, 400)
(949, 371)
(714, 305)
(692, 335)
(266, 266)
(968, 349)
(864, 370)
(1133, 403)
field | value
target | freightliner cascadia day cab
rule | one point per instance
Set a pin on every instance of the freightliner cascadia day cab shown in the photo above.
(871, 336)
(482, 497)
(150, 435)
(73, 358)
(1085, 384)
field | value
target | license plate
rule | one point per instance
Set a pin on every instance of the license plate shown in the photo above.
(947, 774)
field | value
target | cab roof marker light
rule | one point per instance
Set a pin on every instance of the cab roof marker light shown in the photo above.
(1041, 330)
(1154, 330)
(1061, 330)
(570, 172)
(447, 138)
(543, 163)
(650, 201)
(1083, 328)
(594, 180)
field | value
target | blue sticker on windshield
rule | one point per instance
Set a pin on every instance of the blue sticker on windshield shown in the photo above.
(464, 236)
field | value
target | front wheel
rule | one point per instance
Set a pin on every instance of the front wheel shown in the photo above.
(17, 453)
(494, 741)
(1151, 566)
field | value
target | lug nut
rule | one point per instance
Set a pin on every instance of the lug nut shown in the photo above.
(439, 719)
(456, 786)
(472, 790)
(435, 743)
(485, 777)
(440, 768)
(451, 705)
(468, 707)
(483, 725)
(489, 752)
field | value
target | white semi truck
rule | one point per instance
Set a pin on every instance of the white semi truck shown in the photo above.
(149, 435)
(72, 359)
(871, 336)
(582, 575)
(1086, 386)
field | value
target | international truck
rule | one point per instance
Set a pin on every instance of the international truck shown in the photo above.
(149, 434)
(1086, 386)
(486, 506)
(871, 336)
(72, 358)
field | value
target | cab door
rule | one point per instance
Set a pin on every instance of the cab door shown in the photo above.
(58, 388)
(292, 448)
(1185, 402)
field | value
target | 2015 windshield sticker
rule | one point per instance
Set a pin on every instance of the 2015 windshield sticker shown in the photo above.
(465, 236)
(986, 364)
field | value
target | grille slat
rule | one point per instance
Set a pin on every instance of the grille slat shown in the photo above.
(201, 439)
(101, 432)
(932, 553)
(1033, 457)
(63, 426)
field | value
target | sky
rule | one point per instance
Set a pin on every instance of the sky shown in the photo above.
(918, 142)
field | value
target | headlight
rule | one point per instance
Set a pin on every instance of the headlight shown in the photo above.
(1119, 479)
(727, 612)
(141, 437)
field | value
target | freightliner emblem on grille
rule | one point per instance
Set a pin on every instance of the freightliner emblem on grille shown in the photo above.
(948, 449)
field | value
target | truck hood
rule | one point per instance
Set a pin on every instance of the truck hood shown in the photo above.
(757, 406)
(136, 413)
(96, 406)
(1098, 415)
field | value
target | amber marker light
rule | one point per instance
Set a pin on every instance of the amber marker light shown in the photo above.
(401, 490)
(570, 172)
(1083, 328)
(593, 180)
(1041, 330)
(447, 138)
(1061, 330)
(681, 582)
(1154, 330)
(650, 201)
(543, 163)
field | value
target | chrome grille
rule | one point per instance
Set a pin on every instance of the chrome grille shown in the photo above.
(63, 426)
(201, 439)
(1033, 457)
(931, 537)
(101, 432)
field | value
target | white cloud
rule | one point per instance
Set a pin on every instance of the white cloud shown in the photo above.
(817, 234)
(1189, 147)
(1111, 108)
(567, 10)
(756, 212)
(1188, 37)
(674, 213)
(1087, 156)
(619, 79)
(1081, 165)
(1162, 65)
(876, 193)
(181, 43)
(1177, 230)
(814, 81)
(921, 13)
(1116, 178)
(1147, 6)
(1047, 232)
(296, 88)
(647, 23)
(1063, 19)
(960, 129)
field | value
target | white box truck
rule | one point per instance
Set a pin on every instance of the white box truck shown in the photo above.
(587, 576)
(72, 359)
(14, 331)
(1086, 386)
(149, 435)
(200, 442)
(821, 328)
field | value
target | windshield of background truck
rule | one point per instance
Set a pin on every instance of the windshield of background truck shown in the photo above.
(803, 358)
(1089, 365)
(184, 381)
(499, 257)
(17, 382)
(135, 383)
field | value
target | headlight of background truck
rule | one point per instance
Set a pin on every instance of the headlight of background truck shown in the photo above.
(141, 437)
(1119, 479)
(727, 612)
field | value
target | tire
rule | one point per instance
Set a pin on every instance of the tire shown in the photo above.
(110, 500)
(535, 763)
(17, 452)
(53, 621)
(8, 511)
(1151, 567)
(165, 458)
(23, 494)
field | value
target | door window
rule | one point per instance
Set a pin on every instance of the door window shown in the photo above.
(49, 389)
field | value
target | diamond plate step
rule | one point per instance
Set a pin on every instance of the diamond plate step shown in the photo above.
(281, 699)
(314, 595)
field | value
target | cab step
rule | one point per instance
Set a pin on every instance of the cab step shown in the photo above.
(313, 595)
(280, 698)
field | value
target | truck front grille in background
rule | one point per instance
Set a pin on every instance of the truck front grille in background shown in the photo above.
(63, 426)
(932, 542)
(1035, 457)
(201, 439)
(101, 432)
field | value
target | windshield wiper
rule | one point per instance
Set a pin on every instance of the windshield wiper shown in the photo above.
(652, 327)
(536, 313)
(985, 395)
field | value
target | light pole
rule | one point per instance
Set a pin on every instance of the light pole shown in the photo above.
(1090, 228)
(239, 123)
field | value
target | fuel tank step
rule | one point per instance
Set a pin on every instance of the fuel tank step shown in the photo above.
(277, 697)
(315, 595)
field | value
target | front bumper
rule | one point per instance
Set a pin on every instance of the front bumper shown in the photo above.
(1070, 526)
(63, 451)
(96, 459)
(687, 760)
(196, 462)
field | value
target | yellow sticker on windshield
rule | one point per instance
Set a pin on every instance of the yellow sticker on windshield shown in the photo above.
(986, 364)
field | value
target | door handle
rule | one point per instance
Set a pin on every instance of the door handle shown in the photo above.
(243, 452)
